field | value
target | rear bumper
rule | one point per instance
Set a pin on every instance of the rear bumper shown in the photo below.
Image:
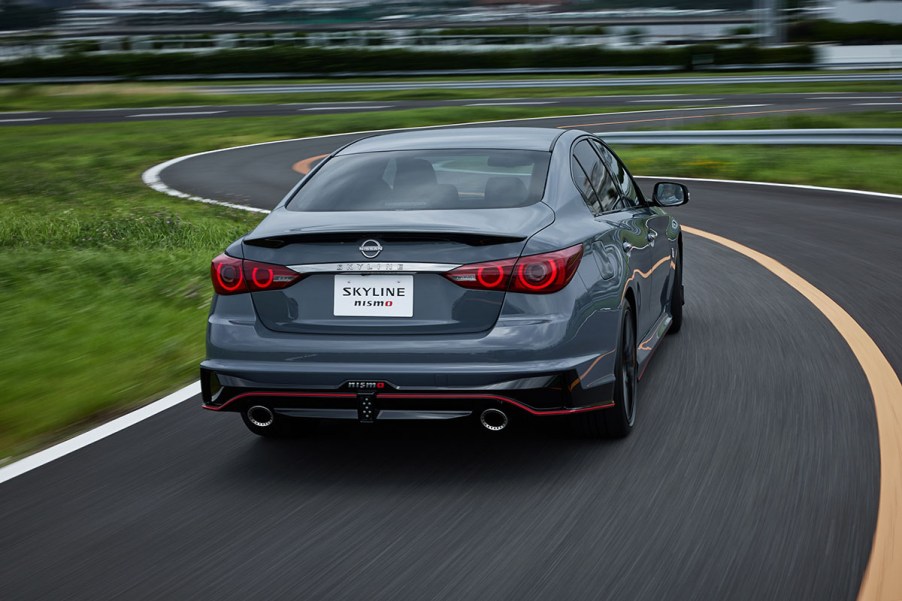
(535, 359)
(543, 394)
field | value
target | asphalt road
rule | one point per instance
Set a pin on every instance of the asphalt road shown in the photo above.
(680, 105)
(753, 472)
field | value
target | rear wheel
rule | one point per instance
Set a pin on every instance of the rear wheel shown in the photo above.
(617, 422)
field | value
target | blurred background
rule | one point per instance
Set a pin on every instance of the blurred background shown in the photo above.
(754, 472)
(837, 32)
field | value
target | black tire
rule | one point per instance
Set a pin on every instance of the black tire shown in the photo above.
(617, 422)
(676, 297)
(282, 427)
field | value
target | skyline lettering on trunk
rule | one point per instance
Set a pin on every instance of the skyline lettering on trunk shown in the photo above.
(373, 292)
(370, 267)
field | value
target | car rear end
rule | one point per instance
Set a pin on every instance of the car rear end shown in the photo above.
(402, 285)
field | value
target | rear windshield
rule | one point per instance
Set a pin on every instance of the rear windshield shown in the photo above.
(426, 180)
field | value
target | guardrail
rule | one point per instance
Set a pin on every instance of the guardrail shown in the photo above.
(835, 137)
(700, 76)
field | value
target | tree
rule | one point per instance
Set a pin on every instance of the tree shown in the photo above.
(18, 15)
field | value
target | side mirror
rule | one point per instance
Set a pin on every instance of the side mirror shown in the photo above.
(670, 194)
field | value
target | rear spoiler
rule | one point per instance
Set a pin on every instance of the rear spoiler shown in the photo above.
(474, 228)
(468, 238)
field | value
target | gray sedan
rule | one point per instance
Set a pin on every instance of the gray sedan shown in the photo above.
(480, 273)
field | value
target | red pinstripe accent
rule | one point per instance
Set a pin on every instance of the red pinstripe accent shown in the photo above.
(493, 397)
(412, 395)
(299, 395)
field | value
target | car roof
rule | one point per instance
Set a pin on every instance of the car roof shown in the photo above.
(495, 138)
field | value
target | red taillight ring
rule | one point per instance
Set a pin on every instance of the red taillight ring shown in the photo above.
(222, 283)
(535, 287)
(490, 283)
(260, 284)
(509, 274)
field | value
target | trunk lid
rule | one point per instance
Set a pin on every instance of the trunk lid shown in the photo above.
(345, 291)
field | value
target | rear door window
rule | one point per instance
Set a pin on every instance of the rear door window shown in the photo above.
(624, 180)
(596, 176)
(584, 183)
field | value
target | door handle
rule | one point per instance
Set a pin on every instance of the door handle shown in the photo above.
(652, 235)
(627, 247)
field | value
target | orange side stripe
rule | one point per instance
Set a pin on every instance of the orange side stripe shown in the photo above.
(583, 375)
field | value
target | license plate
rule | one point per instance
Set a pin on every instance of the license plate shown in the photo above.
(373, 296)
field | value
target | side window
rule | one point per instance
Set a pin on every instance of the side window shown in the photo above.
(581, 178)
(599, 178)
(627, 186)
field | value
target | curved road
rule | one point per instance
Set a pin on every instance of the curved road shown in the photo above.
(753, 472)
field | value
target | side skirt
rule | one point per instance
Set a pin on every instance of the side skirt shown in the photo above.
(653, 338)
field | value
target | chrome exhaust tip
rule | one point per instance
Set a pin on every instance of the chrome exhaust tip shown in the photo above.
(260, 416)
(493, 419)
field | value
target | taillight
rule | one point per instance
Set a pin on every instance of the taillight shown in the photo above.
(533, 274)
(236, 276)
(548, 272)
(227, 275)
(493, 275)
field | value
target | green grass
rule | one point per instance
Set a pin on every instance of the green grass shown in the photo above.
(130, 95)
(103, 282)
(812, 120)
(102, 294)
(858, 167)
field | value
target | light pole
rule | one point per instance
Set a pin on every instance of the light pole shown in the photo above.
(770, 22)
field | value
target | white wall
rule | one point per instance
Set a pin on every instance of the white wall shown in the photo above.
(889, 11)
(849, 56)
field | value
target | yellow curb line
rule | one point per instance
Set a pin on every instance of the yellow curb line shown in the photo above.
(882, 579)
(303, 166)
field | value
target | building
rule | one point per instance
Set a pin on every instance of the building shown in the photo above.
(849, 11)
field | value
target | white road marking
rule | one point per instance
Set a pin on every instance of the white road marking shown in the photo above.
(151, 177)
(123, 109)
(667, 110)
(879, 104)
(510, 103)
(347, 108)
(617, 96)
(23, 119)
(848, 98)
(317, 104)
(504, 99)
(678, 100)
(634, 96)
(100, 432)
(175, 114)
